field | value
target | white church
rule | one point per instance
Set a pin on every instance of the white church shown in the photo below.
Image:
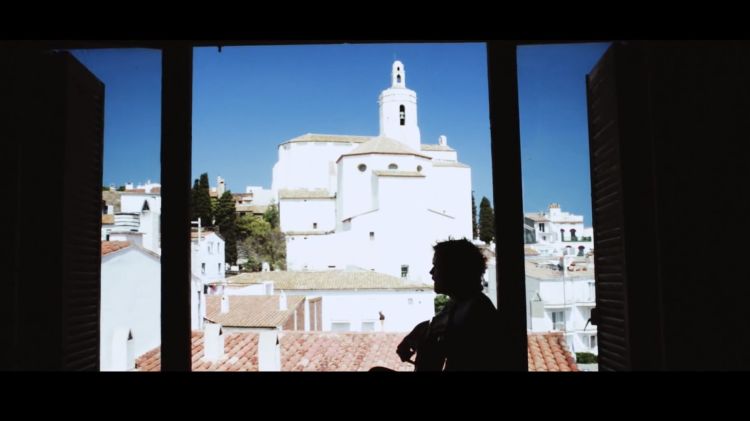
(372, 203)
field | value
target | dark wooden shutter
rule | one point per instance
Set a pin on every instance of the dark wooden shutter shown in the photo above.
(82, 217)
(622, 196)
(55, 124)
(607, 215)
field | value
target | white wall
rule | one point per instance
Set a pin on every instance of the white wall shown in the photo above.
(403, 309)
(355, 187)
(133, 202)
(131, 299)
(575, 297)
(442, 155)
(308, 165)
(210, 250)
(300, 214)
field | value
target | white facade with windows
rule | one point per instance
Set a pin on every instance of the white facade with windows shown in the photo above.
(562, 300)
(207, 266)
(554, 233)
(377, 203)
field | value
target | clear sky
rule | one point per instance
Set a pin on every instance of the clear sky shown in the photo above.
(247, 100)
(554, 128)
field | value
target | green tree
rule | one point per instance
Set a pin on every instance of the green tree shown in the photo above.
(272, 215)
(227, 224)
(474, 230)
(440, 302)
(260, 242)
(200, 203)
(486, 221)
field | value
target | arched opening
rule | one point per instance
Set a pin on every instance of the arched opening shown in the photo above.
(402, 114)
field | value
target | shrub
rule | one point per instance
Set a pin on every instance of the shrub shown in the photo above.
(585, 358)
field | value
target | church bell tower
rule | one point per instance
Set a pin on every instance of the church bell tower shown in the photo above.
(398, 110)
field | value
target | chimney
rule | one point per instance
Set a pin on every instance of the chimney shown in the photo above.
(265, 267)
(213, 342)
(282, 301)
(123, 351)
(442, 140)
(224, 304)
(268, 285)
(269, 351)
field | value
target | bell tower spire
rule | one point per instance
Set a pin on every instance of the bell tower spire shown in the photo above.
(398, 110)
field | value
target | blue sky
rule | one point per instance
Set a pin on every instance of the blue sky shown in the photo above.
(554, 130)
(247, 100)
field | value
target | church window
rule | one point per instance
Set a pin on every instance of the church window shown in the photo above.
(419, 168)
(315, 225)
(398, 78)
(392, 166)
(372, 235)
(362, 167)
(402, 114)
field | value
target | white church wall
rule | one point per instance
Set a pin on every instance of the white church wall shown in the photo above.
(354, 195)
(307, 214)
(314, 252)
(442, 155)
(450, 193)
(306, 165)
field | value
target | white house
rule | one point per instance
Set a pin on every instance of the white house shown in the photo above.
(207, 266)
(561, 300)
(378, 203)
(141, 212)
(360, 301)
(130, 321)
(550, 233)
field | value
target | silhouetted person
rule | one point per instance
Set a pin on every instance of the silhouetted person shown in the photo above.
(463, 336)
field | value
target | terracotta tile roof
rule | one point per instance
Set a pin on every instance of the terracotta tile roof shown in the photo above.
(548, 352)
(383, 145)
(528, 251)
(537, 217)
(305, 194)
(113, 246)
(396, 173)
(325, 280)
(438, 147)
(300, 351)
(108, 219)
(251, 310)
(257, 209)
(333, 351)
(313, 137)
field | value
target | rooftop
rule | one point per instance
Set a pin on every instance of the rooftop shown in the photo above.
(333, 351)
(305, 194)
(260, 311)
(113, 246)
(325, 280)
(300, 351)
(383, 145)
(315, 137)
